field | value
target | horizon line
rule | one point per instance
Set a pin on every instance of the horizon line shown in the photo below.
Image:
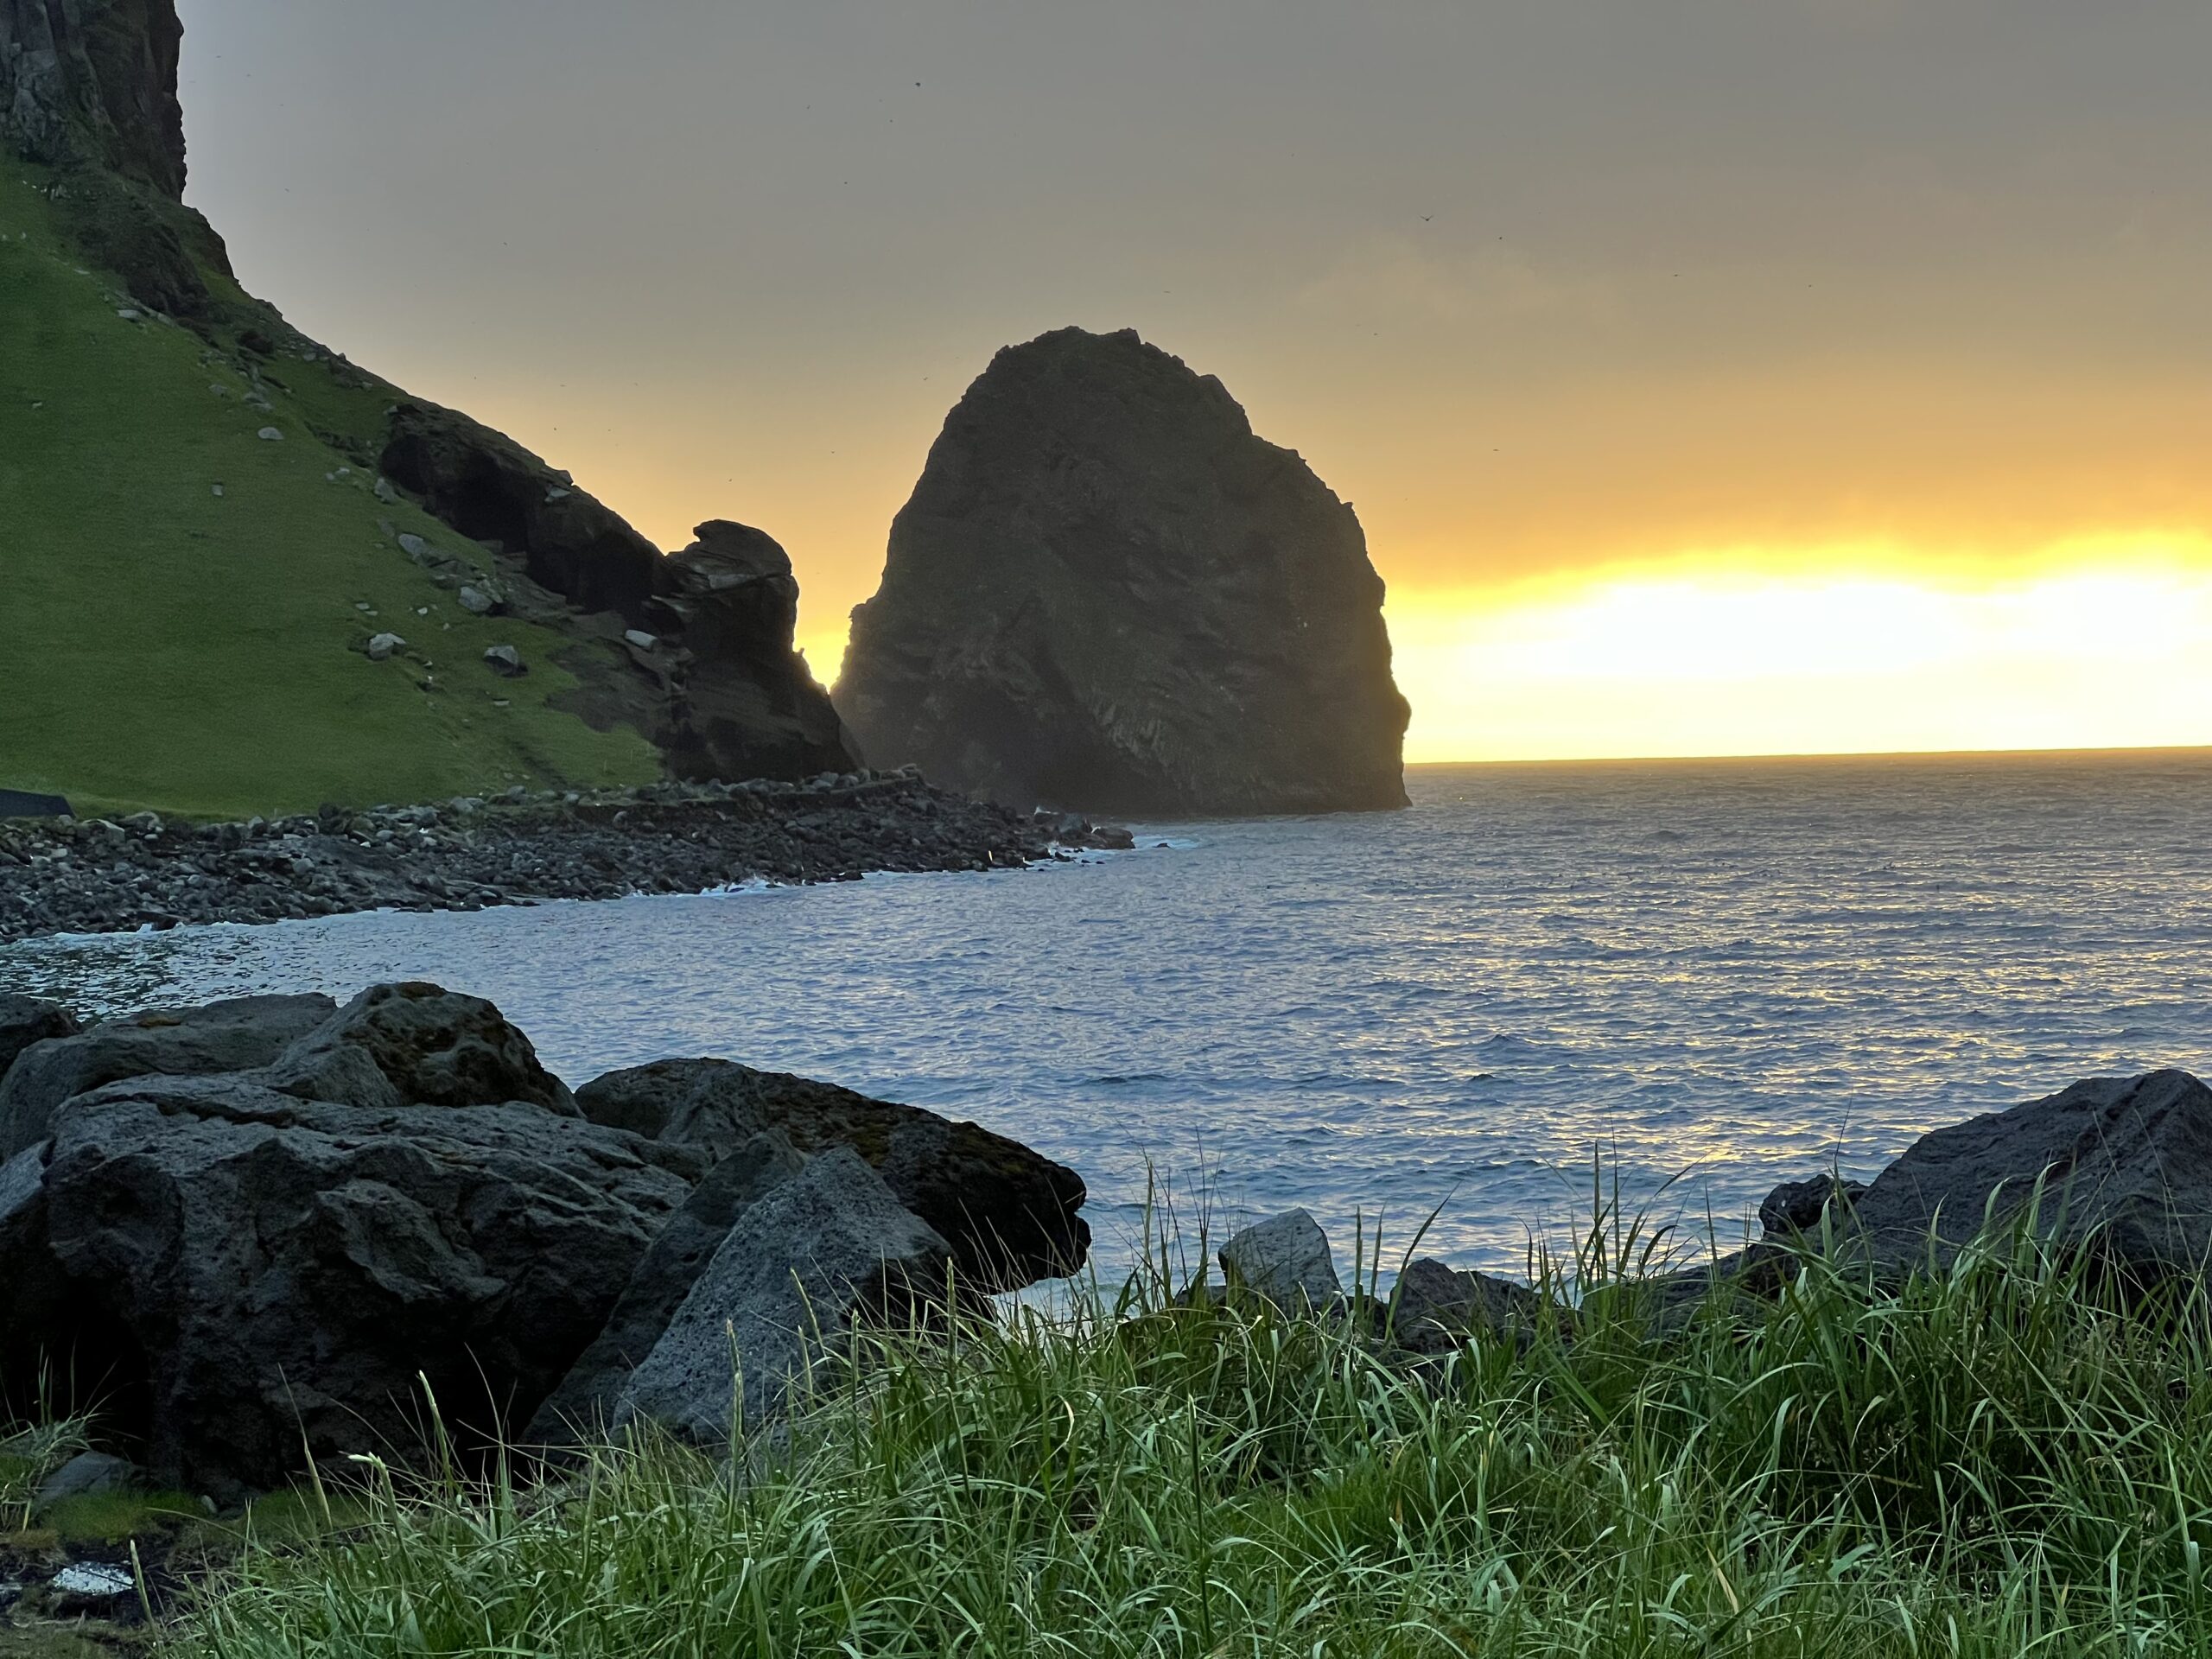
(2077, 754)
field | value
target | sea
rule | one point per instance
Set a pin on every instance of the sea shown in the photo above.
(1649, 989)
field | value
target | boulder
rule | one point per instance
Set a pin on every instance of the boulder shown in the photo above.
(381, 647)
(1010, 1214)
(585, 1400)
(1106, 593)
(234, 1035)
(1797, 1206)
(2126, 1162)
(826, 1249)
(89, 1474)
(292, 1273)
(415, 1044)
(506, 661)
(1435, 1307)
(28, 1019)
(1287, 1261)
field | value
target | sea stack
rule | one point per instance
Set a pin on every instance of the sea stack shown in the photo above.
(1107, 594)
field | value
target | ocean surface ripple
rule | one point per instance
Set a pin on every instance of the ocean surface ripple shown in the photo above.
(1704, 977)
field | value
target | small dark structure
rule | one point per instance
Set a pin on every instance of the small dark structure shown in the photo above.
(21, 804)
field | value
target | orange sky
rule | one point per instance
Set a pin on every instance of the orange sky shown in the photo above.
(1710, 377)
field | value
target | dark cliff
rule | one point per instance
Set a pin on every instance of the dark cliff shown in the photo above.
(1106, 593)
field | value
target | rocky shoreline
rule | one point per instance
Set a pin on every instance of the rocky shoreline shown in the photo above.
(94, 876)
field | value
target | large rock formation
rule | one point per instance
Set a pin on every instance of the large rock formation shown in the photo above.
(1106, 593)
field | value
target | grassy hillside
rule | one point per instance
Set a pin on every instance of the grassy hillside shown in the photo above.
(181, 600)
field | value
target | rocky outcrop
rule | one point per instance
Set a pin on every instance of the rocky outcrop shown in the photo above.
(2123, 1165)
(94, 81)
(491, 489)
(28, 1019)
(237, 1034)
(245, 1275)
(744, 704)
(825, 1250)
(295, 1271)
(1011, 1214)
(585, 1402)
(1106, 593)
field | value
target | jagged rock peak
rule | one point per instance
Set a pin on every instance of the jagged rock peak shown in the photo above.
(94, 81)
(1106, 593)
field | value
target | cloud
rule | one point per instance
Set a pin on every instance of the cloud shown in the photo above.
(1393, 275)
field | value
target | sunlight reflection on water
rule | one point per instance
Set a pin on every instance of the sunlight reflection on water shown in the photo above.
(1735, 973)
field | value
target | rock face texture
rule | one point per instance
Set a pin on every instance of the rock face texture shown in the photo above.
(747, 705)
(2124, 1162)
(254, 1231)
(1106, 593)
(94, 81)
(828, 1249)
(1011, 1214)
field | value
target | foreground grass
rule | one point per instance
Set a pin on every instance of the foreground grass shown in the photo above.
(1996, 1462)
(165, 645)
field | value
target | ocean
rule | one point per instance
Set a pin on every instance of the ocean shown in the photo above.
(1690, 979)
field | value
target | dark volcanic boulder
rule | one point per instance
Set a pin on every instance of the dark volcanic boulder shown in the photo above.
(585, 1400)
(1011, 1214)
(235, 1035)
(285, 1269)
(28, 1019)
(1106, 593)
(415, 1044)
(2127, 1160)
(1436, 1308)
(748, 706)
(830, 1248)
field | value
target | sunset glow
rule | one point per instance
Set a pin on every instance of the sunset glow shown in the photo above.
(2101, 649)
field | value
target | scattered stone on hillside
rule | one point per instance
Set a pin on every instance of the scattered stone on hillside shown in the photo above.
(1286, 1260)
(28, 1019)
(1437, 1307)
(58, 874)
(641, 638)
(269, 435)
(89, 1474)
(476, 601)
(823, 1250)
(1011, 1214)
(382, 645)
(385, 493)
(2125, 1165)
(585, 1402)
(1107, 593)
(1797, 1206)
(236, 1034)
(506, 662)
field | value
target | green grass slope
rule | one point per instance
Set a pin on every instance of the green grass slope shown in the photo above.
(181, 601)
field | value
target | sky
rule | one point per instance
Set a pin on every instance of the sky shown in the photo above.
(1711, 376)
